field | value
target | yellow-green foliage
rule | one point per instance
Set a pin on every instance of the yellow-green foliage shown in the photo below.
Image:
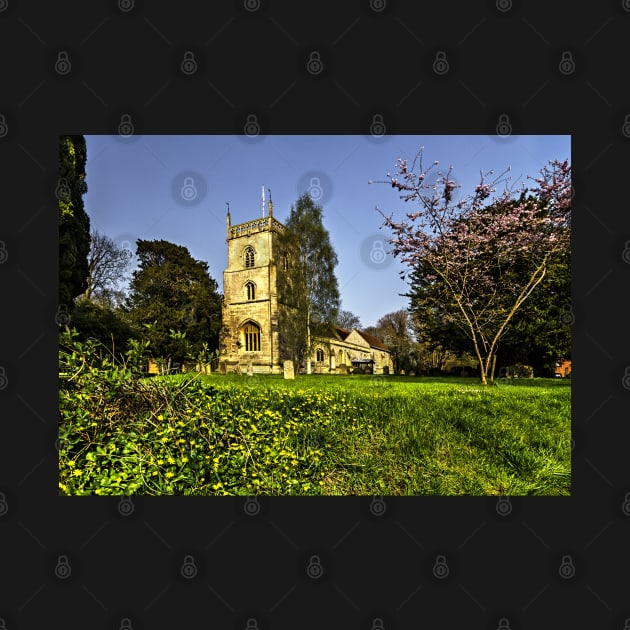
(213, 435)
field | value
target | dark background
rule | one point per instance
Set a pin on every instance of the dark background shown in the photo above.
(557, 67)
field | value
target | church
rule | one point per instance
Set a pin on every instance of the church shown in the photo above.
(250, 338)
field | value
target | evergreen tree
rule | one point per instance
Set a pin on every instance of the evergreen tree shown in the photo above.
(538, 335)
(74, 223)
(94, 320)
(175, 299)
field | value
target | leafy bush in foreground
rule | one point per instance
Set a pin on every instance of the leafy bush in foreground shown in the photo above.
(120, 434)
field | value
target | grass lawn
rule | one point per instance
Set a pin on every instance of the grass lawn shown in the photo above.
(332, 435)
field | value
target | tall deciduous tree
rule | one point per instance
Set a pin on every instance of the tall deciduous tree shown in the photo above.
(395, 331)
(172, 294)
(484, 258)
(307, 286)
(74, 223)
(348, 320)
(106, 267)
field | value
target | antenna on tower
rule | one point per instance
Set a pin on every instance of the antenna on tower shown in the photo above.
(263, 201)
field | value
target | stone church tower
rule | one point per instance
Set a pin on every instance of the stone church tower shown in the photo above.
(250, 335)
(250, 338)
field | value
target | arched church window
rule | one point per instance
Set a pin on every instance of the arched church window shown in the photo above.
(252, 338)
(248, 254)
(251, 290)
(319, 355)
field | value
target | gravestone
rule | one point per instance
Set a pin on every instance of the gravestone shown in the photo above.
(289, 372)
(250, 369)
(342, 369)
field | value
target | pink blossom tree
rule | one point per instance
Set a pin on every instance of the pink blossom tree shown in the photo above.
(486, 253)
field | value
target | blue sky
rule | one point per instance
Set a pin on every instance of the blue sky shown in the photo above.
(176, 188)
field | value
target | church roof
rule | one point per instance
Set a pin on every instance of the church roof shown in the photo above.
(373, 341)
(342, 334)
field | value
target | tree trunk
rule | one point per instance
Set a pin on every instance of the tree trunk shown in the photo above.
(308, 340)
(484, 378)
(483, 369)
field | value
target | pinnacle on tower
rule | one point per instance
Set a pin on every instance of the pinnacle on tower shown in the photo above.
(270, 203)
